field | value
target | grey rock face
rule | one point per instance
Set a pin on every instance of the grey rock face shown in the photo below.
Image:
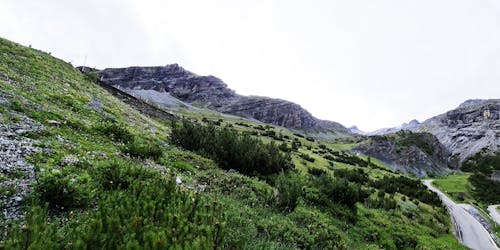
(274, 111)
(471, 128)
(211, 92)
(173, 79)
(431, 157)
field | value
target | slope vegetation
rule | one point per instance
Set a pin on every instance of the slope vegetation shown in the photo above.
(104, 175)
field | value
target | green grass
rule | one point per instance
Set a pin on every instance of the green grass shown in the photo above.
(456, 186)
(114, 193)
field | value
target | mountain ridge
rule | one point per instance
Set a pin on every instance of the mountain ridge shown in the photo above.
(212, 93)
(473, 127)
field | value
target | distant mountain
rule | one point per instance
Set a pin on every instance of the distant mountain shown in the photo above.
(405, 126)
(172, 86)
(355, 130)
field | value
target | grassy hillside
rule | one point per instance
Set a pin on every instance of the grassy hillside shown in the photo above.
(109, 177)
(476, 185)
(456, 186)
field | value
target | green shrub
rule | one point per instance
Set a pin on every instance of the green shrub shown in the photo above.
(284, 147)
(17, 105)
(143, 149)
(338, 191)
(482, 167)
(316, 172)
(62, 191)
(181, 165)
(289, 190)
(230, 149)
(357, 175)
(92, 76)
(116, 173)
(115, 131)
(323, 234)
(38, 233)
(299, 135)
(408, 187)
(307, 157)
(151, 214)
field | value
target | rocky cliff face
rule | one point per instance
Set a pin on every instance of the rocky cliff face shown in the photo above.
(160, 84)
(471, 128)
(418, 153)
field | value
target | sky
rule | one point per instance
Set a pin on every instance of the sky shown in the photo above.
(370, 63)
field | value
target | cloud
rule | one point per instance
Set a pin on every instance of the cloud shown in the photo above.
(371, 63)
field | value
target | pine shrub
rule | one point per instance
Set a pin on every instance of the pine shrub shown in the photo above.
(143, 149)
(230, 149)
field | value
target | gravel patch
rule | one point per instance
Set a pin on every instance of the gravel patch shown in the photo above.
(16, 173)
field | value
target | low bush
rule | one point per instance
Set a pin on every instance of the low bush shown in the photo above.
(151, 214)
(116, 131)
(307, 157)
(184, 166)
(316, 172)
(289, 190)
(482, 167)
(63, 191)
(284, 147)
(408, 187)
(230, 149)
(143, 149)
(356, 175)
(116, 173)
(338, 191)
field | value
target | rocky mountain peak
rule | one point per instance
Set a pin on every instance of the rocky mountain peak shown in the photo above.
(470, 102)
(355, 130)
(414, 122)
(173, 81)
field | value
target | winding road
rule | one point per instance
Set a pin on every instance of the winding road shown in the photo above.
(495, 215)
(468, 230)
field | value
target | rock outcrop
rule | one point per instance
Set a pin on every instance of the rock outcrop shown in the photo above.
(473, 127)
(161, 84)
(418, 153)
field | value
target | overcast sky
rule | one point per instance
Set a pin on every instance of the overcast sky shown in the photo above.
(372, 63)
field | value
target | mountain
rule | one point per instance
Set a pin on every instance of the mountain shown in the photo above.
(471, 128)
(355, 130)
(405, 126)
(170, 85)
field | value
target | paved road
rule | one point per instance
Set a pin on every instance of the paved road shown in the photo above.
(494, 213)
(469, 231)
